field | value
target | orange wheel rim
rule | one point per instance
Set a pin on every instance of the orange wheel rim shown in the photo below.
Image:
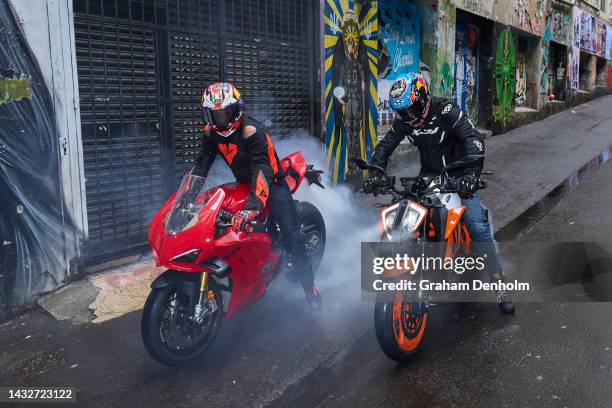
(407, 327)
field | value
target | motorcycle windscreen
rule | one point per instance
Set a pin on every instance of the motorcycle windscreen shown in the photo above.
(192, 196)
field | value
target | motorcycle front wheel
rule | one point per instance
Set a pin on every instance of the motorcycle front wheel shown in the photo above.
(170, 334)
(400, 326)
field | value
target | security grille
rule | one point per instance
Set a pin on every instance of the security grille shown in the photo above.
(142, 65)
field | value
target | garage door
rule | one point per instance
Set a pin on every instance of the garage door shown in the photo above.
(142, 65)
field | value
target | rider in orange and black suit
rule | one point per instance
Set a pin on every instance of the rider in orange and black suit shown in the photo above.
(247, 148)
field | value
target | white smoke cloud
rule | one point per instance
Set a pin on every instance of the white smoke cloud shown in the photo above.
(347, 221)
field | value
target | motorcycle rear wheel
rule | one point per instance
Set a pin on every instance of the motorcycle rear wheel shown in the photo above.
(313, 228)
(166, 314)
(400, 326)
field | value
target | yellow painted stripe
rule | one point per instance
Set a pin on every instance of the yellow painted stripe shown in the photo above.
(371, 13)
(373, 135)
(373, 91)
(328, 89)
(332, 5)
(371, 43)
(337, 163)
(361, 143)
(331, 146)
(328, 62)
(328, 111)
(374, 69)
(344, 5)
(330, 40)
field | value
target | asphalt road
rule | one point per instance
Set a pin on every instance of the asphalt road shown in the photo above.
(278, 353)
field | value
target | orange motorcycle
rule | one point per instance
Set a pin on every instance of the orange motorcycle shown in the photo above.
(430, 215)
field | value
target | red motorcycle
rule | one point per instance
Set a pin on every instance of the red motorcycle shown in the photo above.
(214, 271)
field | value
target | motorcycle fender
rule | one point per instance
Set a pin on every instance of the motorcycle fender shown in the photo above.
(185, 283)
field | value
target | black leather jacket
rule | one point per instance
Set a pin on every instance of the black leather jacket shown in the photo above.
(249, 153)
(447, 136)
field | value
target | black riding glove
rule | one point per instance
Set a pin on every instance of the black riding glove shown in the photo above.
(469, 185)
(418, 185)
(374, 184)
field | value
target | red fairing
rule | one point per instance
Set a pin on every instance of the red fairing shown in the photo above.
(295, 167)
(249, 255)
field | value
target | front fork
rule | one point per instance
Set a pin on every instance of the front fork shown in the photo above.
(206, 301)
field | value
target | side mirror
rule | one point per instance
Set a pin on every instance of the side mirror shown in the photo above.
(364, 165)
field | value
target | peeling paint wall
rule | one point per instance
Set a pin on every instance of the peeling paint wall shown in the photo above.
(37, 232)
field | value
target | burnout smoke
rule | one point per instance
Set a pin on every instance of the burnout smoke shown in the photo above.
(347, 224)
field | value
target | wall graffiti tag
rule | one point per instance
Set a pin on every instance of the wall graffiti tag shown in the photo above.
(505, 77)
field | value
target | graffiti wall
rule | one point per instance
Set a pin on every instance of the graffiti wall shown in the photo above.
(520, 93)
(351, 58)
(608, 43)
(399, 51)
(505, 77)
(34, 224)
(574, 65)
(560, 26)
(600, 41)
(530, 15)
(438, 47)
(588, 32)
(465, 88)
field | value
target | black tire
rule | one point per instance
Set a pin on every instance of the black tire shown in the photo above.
(309, 215)
(151, 328)
(386, 331)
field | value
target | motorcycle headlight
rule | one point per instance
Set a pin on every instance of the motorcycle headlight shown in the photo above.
(413, 217)
(388, 216)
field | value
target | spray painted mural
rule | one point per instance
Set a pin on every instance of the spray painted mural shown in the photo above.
(465, 90)
(530, 15)
(574, 66)
(505, 77)
(588, 32)
(601, 39)
(560, 26)
(399, 50)
(351, 98)
(520, 90)
(33, 220)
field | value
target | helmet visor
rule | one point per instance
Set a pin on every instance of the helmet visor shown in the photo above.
(222, 118)
(409, 114)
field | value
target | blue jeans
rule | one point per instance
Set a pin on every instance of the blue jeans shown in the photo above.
(482, 236)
